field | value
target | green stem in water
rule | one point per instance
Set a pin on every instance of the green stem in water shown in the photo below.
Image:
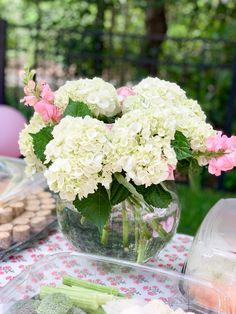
(155, 224)
(82, 220)
(105, 234)
(141, 234)
(125, 226)
(136, 230)
(141, 250)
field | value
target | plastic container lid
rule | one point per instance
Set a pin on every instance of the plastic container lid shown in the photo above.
(16, 192)
(213, 254)
(137, 281)
(13, 181)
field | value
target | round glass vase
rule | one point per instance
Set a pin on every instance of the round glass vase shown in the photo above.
(135, 230)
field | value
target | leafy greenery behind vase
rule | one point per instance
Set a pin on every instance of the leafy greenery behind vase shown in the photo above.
(79, 48)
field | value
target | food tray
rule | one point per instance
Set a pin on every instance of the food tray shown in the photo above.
(27, 208)
(134, 280)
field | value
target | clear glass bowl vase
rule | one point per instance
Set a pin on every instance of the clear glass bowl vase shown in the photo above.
(135, 230)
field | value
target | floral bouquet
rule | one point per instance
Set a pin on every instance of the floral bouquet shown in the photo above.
(111, 155)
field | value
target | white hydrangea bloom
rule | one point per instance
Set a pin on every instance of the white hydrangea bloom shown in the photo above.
(141, 142)
(156, 94)
(153, 92)
(33, 164)
(78, 154)
(156, 88)
(100, 96)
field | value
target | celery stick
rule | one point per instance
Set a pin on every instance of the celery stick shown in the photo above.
(81, 299)
(71, 281)
(101, 297)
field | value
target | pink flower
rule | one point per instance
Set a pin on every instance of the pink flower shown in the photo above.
(220, 142)
(171, 173)
(30, 88)
(29, 100)
(48, 111)
(149, 216)
(47, 94)
(222, 163)
(124, 92)
(168, 224)
(109, 126)
(227, 145)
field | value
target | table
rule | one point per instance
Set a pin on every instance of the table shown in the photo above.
(172, 257)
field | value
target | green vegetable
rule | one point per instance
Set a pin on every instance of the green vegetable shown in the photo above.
(98, 311)
(101, 297)
(72, 281)
(84, 300)
(55, 303)
(24, 306)
(76, 310)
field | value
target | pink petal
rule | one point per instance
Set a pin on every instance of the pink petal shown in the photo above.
(47, 94)
(47, 111)
(29, 88)
(171, 173)
(29, 100)
(124, 92)
(109, 126)
(168, 224)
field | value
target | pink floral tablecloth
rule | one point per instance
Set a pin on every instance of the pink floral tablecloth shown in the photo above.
(172, 257)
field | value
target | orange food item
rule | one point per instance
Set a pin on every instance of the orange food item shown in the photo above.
(222, 298)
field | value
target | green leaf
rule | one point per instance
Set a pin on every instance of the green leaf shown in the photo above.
(118, 193)
(108, 120)
(96, 207)
(155, 195)
(77, 109)
(181, 146)
(40, 141)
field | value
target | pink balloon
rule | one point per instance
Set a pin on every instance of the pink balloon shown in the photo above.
(11, 123)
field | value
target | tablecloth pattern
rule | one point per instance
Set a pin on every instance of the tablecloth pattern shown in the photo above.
(172, 257)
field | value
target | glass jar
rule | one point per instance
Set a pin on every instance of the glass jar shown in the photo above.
(135, 230)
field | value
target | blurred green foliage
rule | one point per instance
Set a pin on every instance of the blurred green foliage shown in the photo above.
(68, 33)
(195, 205)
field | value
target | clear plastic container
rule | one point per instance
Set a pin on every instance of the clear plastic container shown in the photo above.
(136, 281)
(213, 255)
(27, 209)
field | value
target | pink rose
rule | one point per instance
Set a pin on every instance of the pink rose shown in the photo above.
(47, 111)
(124, 92)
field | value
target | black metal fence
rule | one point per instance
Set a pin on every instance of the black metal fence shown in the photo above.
(206, 68)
